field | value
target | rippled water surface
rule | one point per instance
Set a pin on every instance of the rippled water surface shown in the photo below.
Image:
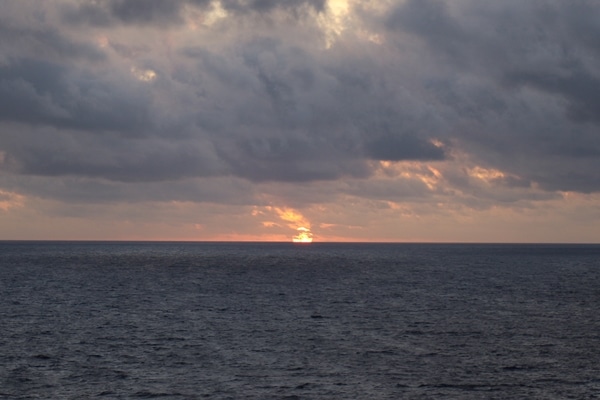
(283, 321)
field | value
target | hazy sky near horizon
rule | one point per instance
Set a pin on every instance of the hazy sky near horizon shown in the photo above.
(405, 120)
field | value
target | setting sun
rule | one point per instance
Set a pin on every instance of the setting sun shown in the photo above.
(304, 236)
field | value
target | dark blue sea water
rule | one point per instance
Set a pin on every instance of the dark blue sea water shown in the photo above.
(284, 321)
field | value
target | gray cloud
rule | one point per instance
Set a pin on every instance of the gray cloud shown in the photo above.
(165, 13)
(510, 85)
(578, 87)
(50, 152)
(396, 148)
(430, 20)
(268, 5)
(548, 45)
(264, 109)
(143, 12)
(41, 92)
(46, 42)
(507, 72)
(224, 190)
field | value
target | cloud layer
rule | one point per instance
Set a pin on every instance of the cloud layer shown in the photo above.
(421, 107)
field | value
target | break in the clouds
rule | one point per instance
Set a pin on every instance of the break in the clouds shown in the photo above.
(373, 120)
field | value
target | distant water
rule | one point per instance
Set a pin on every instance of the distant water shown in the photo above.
(284, 321)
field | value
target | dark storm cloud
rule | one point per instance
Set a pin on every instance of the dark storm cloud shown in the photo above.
(579, 88)
(521, 78)
(544, 45)
(161, 12)
(46, 42)
(292, 160)
(264, 109)
(49, 152)
(299, 120)
(104, 13)
(397, 148)
(514, 85)
(430, 19)
(41, 92)
(145, 11)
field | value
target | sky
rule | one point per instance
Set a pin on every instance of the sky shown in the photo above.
(370, 120)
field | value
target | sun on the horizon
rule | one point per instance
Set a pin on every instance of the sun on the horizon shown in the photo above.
(304, 235)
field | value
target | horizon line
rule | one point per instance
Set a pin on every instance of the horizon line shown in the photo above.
(290, 242)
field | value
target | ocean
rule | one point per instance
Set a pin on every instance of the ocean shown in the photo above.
(126, 320)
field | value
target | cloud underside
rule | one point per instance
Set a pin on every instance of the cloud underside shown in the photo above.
(233, 101)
